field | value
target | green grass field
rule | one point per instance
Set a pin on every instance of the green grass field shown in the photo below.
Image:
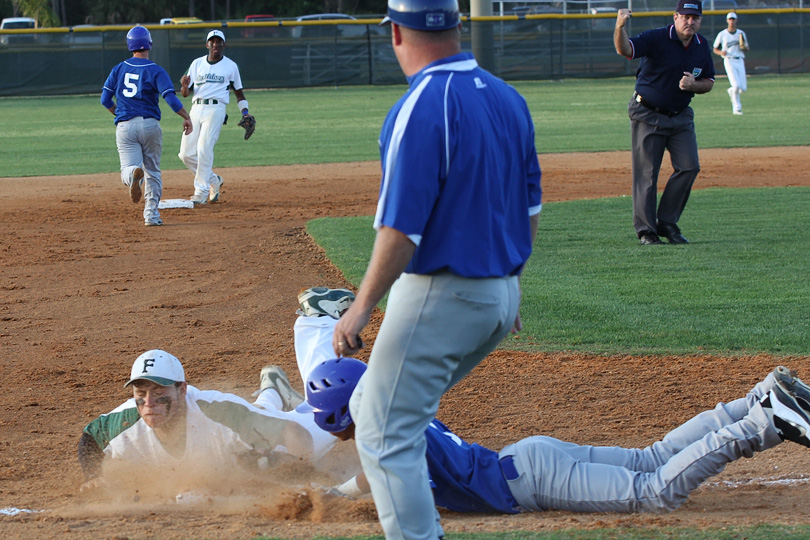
(741, 291)
(327, 125)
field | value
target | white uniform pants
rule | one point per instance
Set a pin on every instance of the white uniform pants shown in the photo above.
(564, 476)
(313, 345)
(140, 141)
(735, 69)
(437, 328)
(197, 148)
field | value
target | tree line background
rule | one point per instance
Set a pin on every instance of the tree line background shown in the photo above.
(52, 13)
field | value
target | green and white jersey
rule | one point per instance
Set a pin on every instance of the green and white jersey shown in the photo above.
(219, 427)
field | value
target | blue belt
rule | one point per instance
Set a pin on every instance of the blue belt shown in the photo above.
(206, 101)
(508, 468)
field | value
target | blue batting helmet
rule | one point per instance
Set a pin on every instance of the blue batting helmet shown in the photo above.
(426, 15)
(138, 39)
(329, 386)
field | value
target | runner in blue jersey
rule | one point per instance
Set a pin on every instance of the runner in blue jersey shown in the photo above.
(676, 63)
(542, 473)
(137, 85)
(456, 219)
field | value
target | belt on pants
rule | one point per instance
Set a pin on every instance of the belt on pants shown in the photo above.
(508, 468)
(735, 57)
(206, 101)
(644, 103)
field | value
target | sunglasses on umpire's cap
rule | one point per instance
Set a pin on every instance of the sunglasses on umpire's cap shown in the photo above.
(689, 7)
(157, 366)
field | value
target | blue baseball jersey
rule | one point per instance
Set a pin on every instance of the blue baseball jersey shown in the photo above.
(138, 84)
(664, 60)
(465, 477)
(460, 175)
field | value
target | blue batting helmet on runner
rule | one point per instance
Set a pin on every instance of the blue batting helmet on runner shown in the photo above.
(139, 39)
(329, 386)
(425, 15)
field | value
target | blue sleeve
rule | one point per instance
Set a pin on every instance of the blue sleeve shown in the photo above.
(173, 101)
(164, 85)
(643, 43)
(412, 185)
(106, 98)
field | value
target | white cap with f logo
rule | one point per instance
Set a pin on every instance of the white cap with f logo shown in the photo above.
(157, 366)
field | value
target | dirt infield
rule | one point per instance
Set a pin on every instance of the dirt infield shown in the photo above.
(86, 288)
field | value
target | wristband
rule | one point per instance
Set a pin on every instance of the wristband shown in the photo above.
(350, 488)
(243, 105)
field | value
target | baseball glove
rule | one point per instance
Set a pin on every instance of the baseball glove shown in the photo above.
(249, 123)
(741, 40)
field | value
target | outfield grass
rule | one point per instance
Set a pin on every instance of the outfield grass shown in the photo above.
(739, 288)
(75, 134)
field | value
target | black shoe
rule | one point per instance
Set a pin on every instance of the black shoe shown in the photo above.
(671, 232)
(648, 238)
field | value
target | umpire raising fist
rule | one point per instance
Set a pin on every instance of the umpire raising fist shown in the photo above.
(676, 63)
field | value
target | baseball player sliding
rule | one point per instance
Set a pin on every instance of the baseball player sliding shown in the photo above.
(210, 77)
(177, 430)
(137, 85)
(542, 473)
(731, 43)
(172, 427)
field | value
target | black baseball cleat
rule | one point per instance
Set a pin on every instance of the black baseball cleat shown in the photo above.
(789, 402)
(648, 238)
(671, 232)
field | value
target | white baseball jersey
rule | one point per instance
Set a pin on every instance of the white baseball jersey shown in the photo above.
(219, 427)
(730, 43)
(213, 81)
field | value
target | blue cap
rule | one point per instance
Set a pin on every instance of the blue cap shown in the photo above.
(425, 15)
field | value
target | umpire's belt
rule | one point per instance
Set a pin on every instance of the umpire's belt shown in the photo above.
(508, 468)
(644, 103)
(206, 101)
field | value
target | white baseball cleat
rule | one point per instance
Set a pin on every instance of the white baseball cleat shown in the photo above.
(213, 195)
(135, 185)
(320, 301)
(274, 377)
(199, 198)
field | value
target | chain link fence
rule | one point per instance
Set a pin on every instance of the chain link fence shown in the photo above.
(528, 46)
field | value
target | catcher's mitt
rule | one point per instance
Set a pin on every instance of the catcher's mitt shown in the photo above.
(249, 123)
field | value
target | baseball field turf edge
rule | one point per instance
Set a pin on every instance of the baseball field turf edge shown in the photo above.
(736, 289)
(61, 135)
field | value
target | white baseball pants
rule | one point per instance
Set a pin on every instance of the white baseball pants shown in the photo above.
(735, 69)
(197, 148)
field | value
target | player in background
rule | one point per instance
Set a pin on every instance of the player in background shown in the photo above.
(137, 85)
(731, 43)
(542, 473)
(210, 78)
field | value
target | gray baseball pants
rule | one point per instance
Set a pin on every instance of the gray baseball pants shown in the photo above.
(140, 142)
(437, 328)
(564, 476)
(652, 133)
